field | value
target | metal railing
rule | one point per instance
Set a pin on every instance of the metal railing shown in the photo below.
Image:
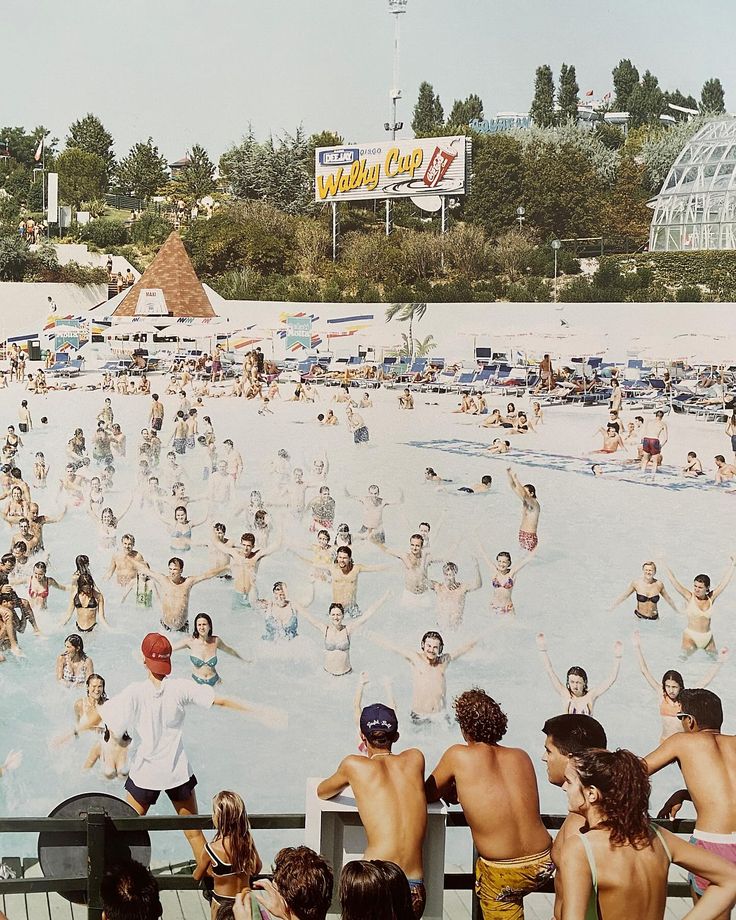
(95, 825)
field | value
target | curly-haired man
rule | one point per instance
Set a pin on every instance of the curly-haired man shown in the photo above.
(497, 788)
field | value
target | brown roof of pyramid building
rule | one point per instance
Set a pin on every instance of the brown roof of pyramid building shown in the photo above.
(173, 273)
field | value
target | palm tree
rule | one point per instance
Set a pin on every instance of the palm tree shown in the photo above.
(407, 312)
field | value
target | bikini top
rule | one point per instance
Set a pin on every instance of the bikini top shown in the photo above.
(176, 533)
(642, 598)
(199, 663)
(508, 584)
(584, 710)
(337, 646)
(669, 707)
(692, 608)
(591, 912)
(90, 605)
(219, 867)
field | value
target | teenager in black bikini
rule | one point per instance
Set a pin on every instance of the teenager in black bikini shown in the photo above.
(648, 589)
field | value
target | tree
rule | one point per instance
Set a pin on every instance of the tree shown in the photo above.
(241, 167)
(542, 111)
(14, 258)
(429, 116)
(89, 134)
(646, 102)
(464, 112)
(679, 99)
(496, 187)
(82, 176)
(625, 78)
(407, 312)
(712, 99)
(22, 146)
(197, 178)
(321, 139)
(568, 95)
(143, 172)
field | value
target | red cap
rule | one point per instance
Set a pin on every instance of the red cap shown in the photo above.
(157, 654)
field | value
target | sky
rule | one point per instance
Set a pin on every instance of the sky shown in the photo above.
(189, 72)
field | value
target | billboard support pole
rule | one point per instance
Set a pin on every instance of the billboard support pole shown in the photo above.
(444, 218)
(334, 231)
(389, 216)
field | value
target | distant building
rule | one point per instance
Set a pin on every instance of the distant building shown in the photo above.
(696, 207)
(176, 167)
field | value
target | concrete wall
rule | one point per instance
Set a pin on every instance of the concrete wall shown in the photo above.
(24, 306)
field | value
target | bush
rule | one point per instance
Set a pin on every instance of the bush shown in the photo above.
(15, 257)
(104, 233)
(150, 229)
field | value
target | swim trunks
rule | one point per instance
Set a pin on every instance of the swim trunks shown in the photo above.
(723, 845)
(651, 446)
(501, 884)
(528, 540)
(466, 489)
(241, 601)
(183, 628)
(156, 423)
(150, 796)
(352, 610)
(360, 435)
(418, 896)
(378, 536)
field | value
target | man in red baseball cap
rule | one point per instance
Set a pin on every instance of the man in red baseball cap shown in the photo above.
(154, 709)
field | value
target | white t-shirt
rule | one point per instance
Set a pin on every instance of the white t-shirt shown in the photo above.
(155, 712)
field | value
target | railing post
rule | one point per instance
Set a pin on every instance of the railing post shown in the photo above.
(96, 820)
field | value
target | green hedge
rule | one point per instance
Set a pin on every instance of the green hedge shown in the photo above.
(712, 273)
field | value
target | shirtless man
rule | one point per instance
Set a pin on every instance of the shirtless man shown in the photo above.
(221, 484)
(725, 472)
(528, 539)
(244, 562)
(122, 564)
(451, 594)
(707, 760)
(389, 793)
(416, 562)
(497, 789)
(567, 734)
(29, 536)
(233, 459)
(174, 590)
(406, 400)
(373, 508)
(654, 437)
(429, 676)
(345, 580)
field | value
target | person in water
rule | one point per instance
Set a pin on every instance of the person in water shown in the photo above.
(670, 688)
(575, 695)
(697, 634)
(203, 647)
(648, 590)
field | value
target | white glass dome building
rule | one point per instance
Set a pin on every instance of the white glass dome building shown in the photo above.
(696, 208)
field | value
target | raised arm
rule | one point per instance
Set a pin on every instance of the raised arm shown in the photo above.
(668, 597)
(384, 643)
(714, 669)
(643, 667)
(368, 613)
(358, 698)
(228, 649)
(464, 649)
(477, 581)
(387, 550)
(679, 587)
(554, 679)
(210, 573)
(525, 561)
(622, 598)
(309, 617)
(728, 575)
(618, 650)
(515, 483)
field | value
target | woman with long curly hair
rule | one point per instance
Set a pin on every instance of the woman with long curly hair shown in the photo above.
(231, 856)
(617, 865)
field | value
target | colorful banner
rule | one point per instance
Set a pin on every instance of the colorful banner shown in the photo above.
(390, 169)
(298, 332)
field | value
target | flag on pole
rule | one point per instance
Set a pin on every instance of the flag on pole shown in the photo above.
(606, 97)
(39, 151)
(589, 93)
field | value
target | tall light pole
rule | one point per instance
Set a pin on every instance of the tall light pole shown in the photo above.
(556, 244)
(396, 8)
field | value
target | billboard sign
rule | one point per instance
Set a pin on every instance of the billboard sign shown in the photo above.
(390, 169)
(298, 332)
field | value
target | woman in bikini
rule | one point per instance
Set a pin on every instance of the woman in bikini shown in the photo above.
(509, 420)
(231, 857)
(697, 634)
(40, 471)
(181, 534)
(113, 752)
(648, 590)
(337, 634)
(203, 647)
(504, 577)
(617, 863)
(88, 603)
(575, 695)
(73, 666)
(38, 587)
(670, 688)
(17, 506)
